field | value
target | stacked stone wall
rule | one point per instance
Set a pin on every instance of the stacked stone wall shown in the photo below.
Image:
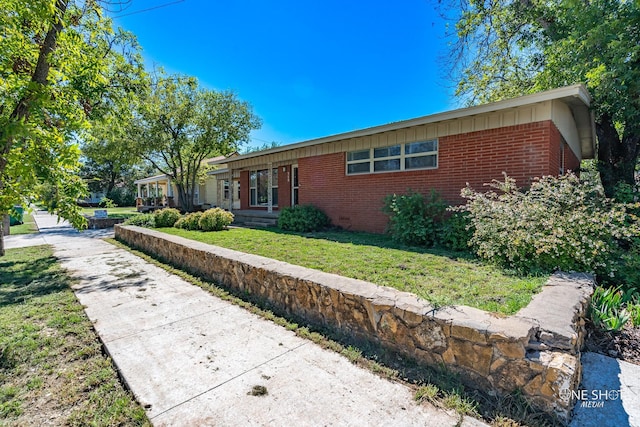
(536, 351)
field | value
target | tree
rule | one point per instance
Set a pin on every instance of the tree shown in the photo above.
(506, 48)
(263, 147)
(61, 65)
(179, 125)
(107, 160)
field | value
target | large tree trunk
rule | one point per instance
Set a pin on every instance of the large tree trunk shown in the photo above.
(617, 156)
(186, 199)
(5, 222)
(113, 175)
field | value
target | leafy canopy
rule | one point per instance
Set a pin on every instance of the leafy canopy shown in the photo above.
(179, 125)
(61, 66)
(507, 48)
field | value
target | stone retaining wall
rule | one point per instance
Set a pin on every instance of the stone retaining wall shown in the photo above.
(537, 350)
(99, 223)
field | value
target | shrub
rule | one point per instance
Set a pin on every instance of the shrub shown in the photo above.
(215, 219)
(142, 220)
(166, 217)
(626, 266)
(189, 222)
(302, 218)
(559, 223)
(413, 218)
(107, 203)
(122, 197)
(456, 231)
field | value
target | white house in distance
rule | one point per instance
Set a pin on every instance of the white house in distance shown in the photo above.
(158, 191)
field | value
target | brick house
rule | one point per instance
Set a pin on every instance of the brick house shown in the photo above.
(348, 175)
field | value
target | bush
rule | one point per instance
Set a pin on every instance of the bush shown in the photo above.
(189, 222)
(626, 266)
(122, 197)
(559, 223)
(215, 219)
(413, 218)
(302, 218)
(142, 220)
(166, 217)
(456, 231)
(107, 203)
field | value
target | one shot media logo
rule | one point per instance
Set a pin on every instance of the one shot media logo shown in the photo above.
(592, 398)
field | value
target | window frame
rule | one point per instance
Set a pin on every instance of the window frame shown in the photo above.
(253, 187)
(402, 157)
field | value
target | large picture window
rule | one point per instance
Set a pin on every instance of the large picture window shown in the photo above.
(259, 187)
(399, 157)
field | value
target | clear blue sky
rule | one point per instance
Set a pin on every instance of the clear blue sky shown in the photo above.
(310, 68)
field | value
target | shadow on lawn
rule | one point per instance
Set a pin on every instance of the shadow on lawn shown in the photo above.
(23, 277)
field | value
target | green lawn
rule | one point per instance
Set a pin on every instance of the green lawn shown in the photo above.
(436, 275)
(119, 212)
(52, 369)
(28, 225)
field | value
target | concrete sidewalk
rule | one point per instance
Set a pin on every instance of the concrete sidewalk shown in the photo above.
(193, 359)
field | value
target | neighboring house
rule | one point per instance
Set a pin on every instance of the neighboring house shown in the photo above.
(159, 191)
(349, 174)
(94, 198)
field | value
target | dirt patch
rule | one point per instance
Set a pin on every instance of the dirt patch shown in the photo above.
(623, 345)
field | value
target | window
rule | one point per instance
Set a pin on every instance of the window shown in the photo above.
(421, 155)
(387, 158)
(259, 187)
(226, 190)
(295, 186)
(358, 162)
(400, 157)
(274, 187)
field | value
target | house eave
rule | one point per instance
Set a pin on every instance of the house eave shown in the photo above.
(151, 179)
(576, 97)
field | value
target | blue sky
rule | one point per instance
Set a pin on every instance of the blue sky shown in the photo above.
(309, 68)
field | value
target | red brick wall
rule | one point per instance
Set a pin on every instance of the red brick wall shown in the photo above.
(571, 162)
(244, 190)
(555, 151)
(284, 186)
(355, 202)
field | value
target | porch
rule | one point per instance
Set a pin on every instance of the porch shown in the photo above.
(155, 192)
(255, 219)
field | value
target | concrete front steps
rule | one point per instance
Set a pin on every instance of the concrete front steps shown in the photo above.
(255, 219)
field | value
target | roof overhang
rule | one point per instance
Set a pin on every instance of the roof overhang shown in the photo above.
(576, 97)
(152, 179)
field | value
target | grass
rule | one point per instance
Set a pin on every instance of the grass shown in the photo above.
(118, 212)
(28, 225)
(439, 276)
(439, 386)
(52, 368)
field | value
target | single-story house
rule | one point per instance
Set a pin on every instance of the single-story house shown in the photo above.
(348, 175)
